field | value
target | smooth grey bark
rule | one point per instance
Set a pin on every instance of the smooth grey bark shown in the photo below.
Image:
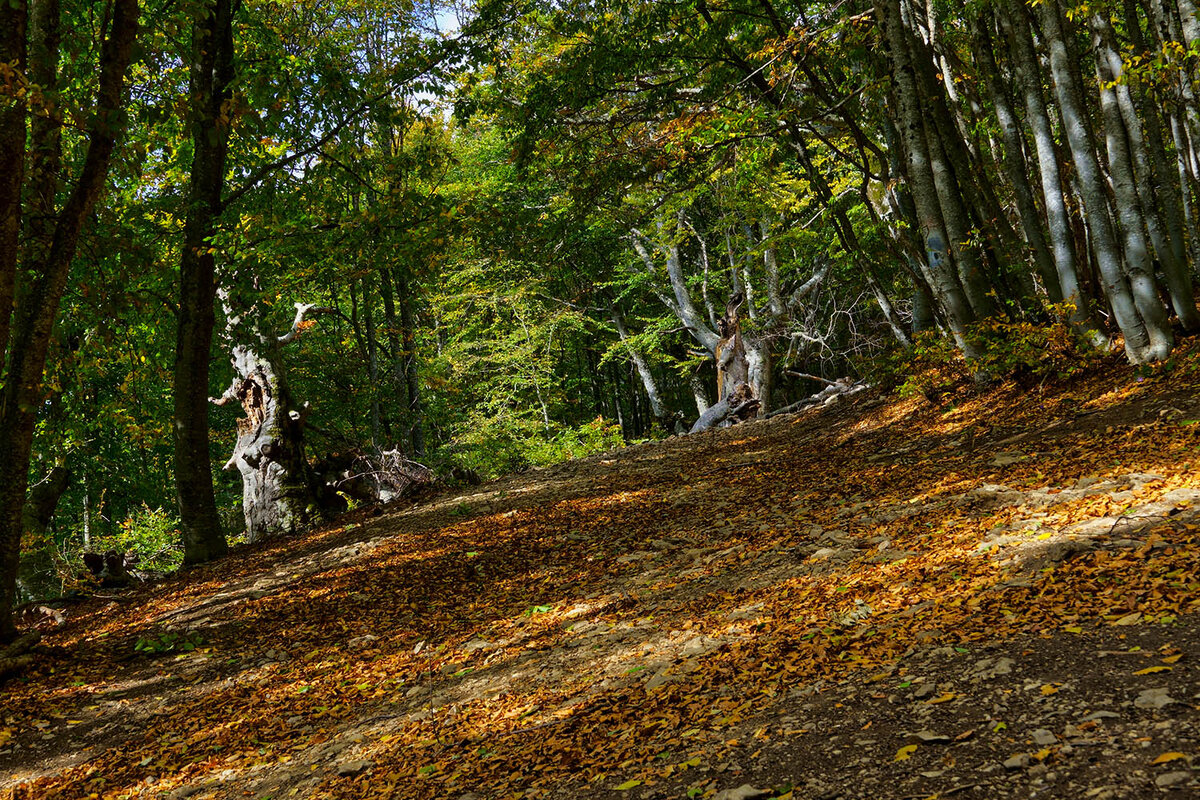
(372, 362)
(948, 186)
(1157, 186)
(1013, 161)
(639, 362)
(1058, 221)
(1130, 209)
(938, 270)
(699, 394)
(411, 366)
(1139, 347)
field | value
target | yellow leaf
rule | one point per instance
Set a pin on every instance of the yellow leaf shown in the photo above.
(1129, 619)
(943, 697)
(905, 753)
(1172, 659)
(1041, 755)
(1165, 757)
(1073, 629)
(1152, 670)
(1049, 689)
(627, 785)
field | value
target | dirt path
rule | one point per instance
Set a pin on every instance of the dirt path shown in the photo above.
(990, 597)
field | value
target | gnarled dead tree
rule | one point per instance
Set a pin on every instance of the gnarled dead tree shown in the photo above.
(279, 489)
(736, 398)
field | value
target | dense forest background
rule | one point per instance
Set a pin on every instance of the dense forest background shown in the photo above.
(494, 235)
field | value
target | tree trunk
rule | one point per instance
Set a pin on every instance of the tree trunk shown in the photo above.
(210, 80)
(1138, 345)
(412, 377)
(35, 579)
(939, 272)
(1015, 167)
(1130, 210)
(1058, 220)
(643, 369)
(279, 490)
(27, 331)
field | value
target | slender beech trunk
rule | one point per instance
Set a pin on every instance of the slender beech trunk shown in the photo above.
(33, 301)
(1157, 185)
(412, 378)
(372, 359)
(1139, 347)
(1131, 211)
(396, 374)
(939, 272)
(1015, 167)
(1058, 221)
(210, 80)
(643, 369)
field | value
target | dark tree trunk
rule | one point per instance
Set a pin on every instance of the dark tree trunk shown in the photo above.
(26, 333)
(210, 83)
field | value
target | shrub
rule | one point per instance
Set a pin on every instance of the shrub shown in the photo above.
(150, 533)
(494, 446)
(1008, 349)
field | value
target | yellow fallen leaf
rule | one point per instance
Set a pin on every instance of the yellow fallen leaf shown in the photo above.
(1152, 670)
(1172, 659)
(1072, 629)
(1049, 689)
(627, 785)
(1130, 619)
(1165, 757)
(691, 762)
(943, 698)
(905, 753)
(1040, 755)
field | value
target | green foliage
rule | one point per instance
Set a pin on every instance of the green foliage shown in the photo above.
(158, 644)
(1009, 349)
(150, 533)
(493, 446)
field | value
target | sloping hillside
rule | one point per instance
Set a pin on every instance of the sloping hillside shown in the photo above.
(993, 596)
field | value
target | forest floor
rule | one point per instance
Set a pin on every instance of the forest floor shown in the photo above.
(991, 596)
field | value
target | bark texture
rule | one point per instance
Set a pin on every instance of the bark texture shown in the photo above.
(209, 82)
(280, 494)
(34, 290)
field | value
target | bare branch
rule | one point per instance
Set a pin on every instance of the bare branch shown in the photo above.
(302, 310)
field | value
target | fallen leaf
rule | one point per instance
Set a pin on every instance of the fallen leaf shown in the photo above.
(1152, 670)
(627, 785)
(905, 753)
(1168, 757)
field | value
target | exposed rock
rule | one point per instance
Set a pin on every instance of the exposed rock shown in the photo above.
(1154, 698)
(743, 792)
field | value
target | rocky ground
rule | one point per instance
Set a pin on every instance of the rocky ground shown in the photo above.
(993, 595)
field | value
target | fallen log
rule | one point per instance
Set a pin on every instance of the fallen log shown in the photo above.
(842, 387)
(739, 405)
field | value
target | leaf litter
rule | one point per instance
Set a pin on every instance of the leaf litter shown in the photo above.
(775, 607)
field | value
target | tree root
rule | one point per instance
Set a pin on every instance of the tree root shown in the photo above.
(16, 656)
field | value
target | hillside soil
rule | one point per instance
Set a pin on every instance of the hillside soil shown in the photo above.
(990, 596)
